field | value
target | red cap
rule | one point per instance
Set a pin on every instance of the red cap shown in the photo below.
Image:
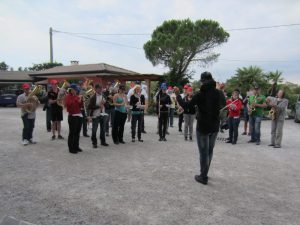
(190, 89)
(170, 88)
(186, 86)
(53, 82)
(25, 86)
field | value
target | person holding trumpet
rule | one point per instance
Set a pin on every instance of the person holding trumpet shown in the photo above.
(74, 103)
(234, 106)
(97, 113)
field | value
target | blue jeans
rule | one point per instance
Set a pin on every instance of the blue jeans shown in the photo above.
(255, 122)
(233, 124)
(28, 125)
(206, 144)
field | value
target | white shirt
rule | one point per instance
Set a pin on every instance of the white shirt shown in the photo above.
(97, 112)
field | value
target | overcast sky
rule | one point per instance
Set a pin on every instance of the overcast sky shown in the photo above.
(24, 37)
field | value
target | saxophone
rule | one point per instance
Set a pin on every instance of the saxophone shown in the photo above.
(33, 99)
(251, 108)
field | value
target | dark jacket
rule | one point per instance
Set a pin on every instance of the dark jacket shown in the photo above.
(164, 100)
(134, 100)
(92, 104)
(209, 101)
(188, 108)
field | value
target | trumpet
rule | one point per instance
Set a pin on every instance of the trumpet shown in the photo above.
(33, 99)
(62, 93)
(117, 84)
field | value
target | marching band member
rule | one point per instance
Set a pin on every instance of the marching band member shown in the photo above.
(246, 113)
(163, 102)
(83, 89)
(188, 114)
(120, 102)
(144, 92)
(279, 110)
(28, 118)
(96, 110)
(109, 106)
(256, 106)
(180, 117)
(74, 103)
(137, 101)
(172, 106)
(56, 110)
(209, 101)
(234, 106)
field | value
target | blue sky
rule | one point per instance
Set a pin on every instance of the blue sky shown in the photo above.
(24, 38)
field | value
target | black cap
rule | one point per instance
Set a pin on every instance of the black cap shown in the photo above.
(206, 76)
(98, 86)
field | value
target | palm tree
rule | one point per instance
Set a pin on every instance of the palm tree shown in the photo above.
(245, 78)
(274, 78)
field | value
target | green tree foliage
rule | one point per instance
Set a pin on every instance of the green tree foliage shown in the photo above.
(44, 66)
(245, 78)
(178, 43)
(4, 66)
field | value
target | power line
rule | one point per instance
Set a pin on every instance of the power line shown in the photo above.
(265, 27)
(258, 60)
(148, 34)
(103, 41)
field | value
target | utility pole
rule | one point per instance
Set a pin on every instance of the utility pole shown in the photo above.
(51, 46)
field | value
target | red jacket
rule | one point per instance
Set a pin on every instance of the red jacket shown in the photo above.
(234, 112)
(73, 104)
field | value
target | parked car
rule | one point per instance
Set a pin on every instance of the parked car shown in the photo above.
(8, 99)
(297, 112)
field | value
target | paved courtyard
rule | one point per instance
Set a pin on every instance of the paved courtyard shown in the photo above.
(147, 183)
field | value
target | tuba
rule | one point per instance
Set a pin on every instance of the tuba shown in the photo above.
(33, 99)
(62, 94)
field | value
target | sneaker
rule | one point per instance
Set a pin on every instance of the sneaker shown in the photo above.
(277, 146)
(160, 139)
(104, 144)
(86, 135)
(25, 142)
(244, 133)
(201, 180)
(258, 143)
(60, 137)
(140, 140)
(32, 141)
(133, 140)
(191, 138)
(95, 146)
(228, 141)
(144, 132)
(164, 139)
(79, 150)
(271, 145)
(251, 141)
(180, 130)
(53, 137)
(122, 142)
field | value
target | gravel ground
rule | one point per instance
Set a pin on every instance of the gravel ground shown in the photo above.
(147, 183)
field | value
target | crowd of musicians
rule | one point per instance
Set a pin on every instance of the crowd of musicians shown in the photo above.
(111, 106)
